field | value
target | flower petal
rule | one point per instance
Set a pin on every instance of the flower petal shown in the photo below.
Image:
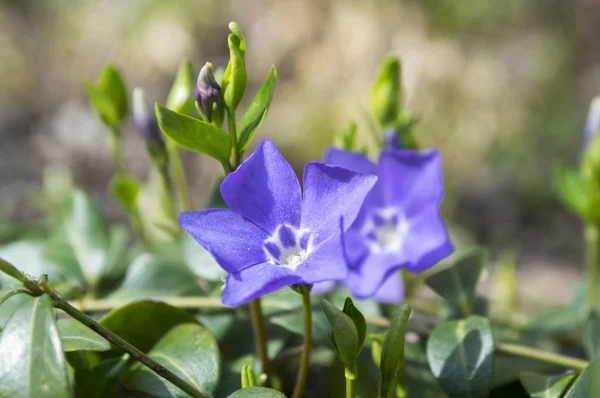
(411, 179)
(320, 288)
(392, 289)
(349, 160)
(257, 281)
(427, 241)
(234, 242)
(325, 263)
(264, 189)
(365, 280)
(330, 194)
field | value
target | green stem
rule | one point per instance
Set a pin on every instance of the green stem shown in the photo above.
(61, 303)
(260, 337)
(304, 361)
(114, 140)
(178, 172)
(232, 128)
(591, 260)
(350, 375)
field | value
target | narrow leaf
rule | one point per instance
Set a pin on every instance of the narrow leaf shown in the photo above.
(32, 364)
(77, 337)
(181, 97)
(187, 350)
(392, 351)
(359, 321)
(194, 134)
(113, 86)
(257, 110)
(458, 283)
(461, 356)
(343, 332)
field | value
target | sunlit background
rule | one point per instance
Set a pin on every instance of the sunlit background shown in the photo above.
(500, 87)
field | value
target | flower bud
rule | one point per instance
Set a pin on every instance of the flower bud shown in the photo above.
(208, 96)
(592, 124)
(147, 125)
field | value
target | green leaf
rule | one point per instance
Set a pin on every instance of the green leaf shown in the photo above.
(592, 334)
(588, 382)
(75, 336)
(461, 356)
(542, 386)
(344, 335)
(181, 97)
(149, 276)
(187, 350)
(358, 319)
(235, 77)
(248, 376)
(113, 86)
(156, 213)
(572, 190)
(97, 378)
(193, 134)
(143, 323)
(10, 291)
(200, 261)
(256, 392)
(102, 105)
(86, 230)
(8, 307)
(32, 364)
(125, 189)
(392, 352)
(257, 111)
(458, 283)
(386, 93)
(29, 257)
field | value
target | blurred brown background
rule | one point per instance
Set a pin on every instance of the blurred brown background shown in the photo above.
(501, 87)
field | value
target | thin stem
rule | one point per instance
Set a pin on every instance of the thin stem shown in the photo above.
(350, 375)
(591, 260)
(231, 126)
(260, 337)
(304, 361)
(114, 140)
(61, 303)
(210, 303)
(179, 180)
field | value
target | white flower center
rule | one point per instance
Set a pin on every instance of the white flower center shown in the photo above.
(384, 230)
(288, 246)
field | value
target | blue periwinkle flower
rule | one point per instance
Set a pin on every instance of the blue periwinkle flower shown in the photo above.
(592, 123)
(399, 224)
(391, 290)
(273, 234)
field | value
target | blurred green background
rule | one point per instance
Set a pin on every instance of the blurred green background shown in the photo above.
(501, 88)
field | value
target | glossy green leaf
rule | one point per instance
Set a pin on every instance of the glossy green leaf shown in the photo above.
(10, 291)
(458, 283)
(248, 376)
(256, 392)
(392, 351)
(149, 276)
(235, 77)
(9, 306)
(113, 86)
(461, 356)
(25, 256)
(257, 111)
(102, 105)
(86, 231)
(125, 189)
(32, 364)
(376, 346)
(358, 319)
(592, 334)
(75, 336)
(588, 382)
(181, 97)
(542, 386)
(200, 261)
(143, 323)
(385, 98)
(344, 336)
(97, 378)
(193, 134)
(187, 350)
(572, 190)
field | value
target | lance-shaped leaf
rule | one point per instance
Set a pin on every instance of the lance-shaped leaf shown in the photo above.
(235, 77)
(126, 190)
(187, 350)
(77, 337)
(248, 376)
(458, 283)
(193, 134)
(113, 86)
(461, 356)
(344, 334)
(32, 364)
(181, 96)
(257, 111)
(256, 392)
(392, 351)
(358, 319)
(386, 93)
(572, 190)
(542, 386)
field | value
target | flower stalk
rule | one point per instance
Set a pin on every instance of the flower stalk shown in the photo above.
(591, 258)
(179, 180)
(304, 361)
(350, 382)
(114, 140)
(260, 338)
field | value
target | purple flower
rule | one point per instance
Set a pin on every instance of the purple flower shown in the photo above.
(391, 139)
(592, 124)
(399, 224)
(391, 290)
(273, 235)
